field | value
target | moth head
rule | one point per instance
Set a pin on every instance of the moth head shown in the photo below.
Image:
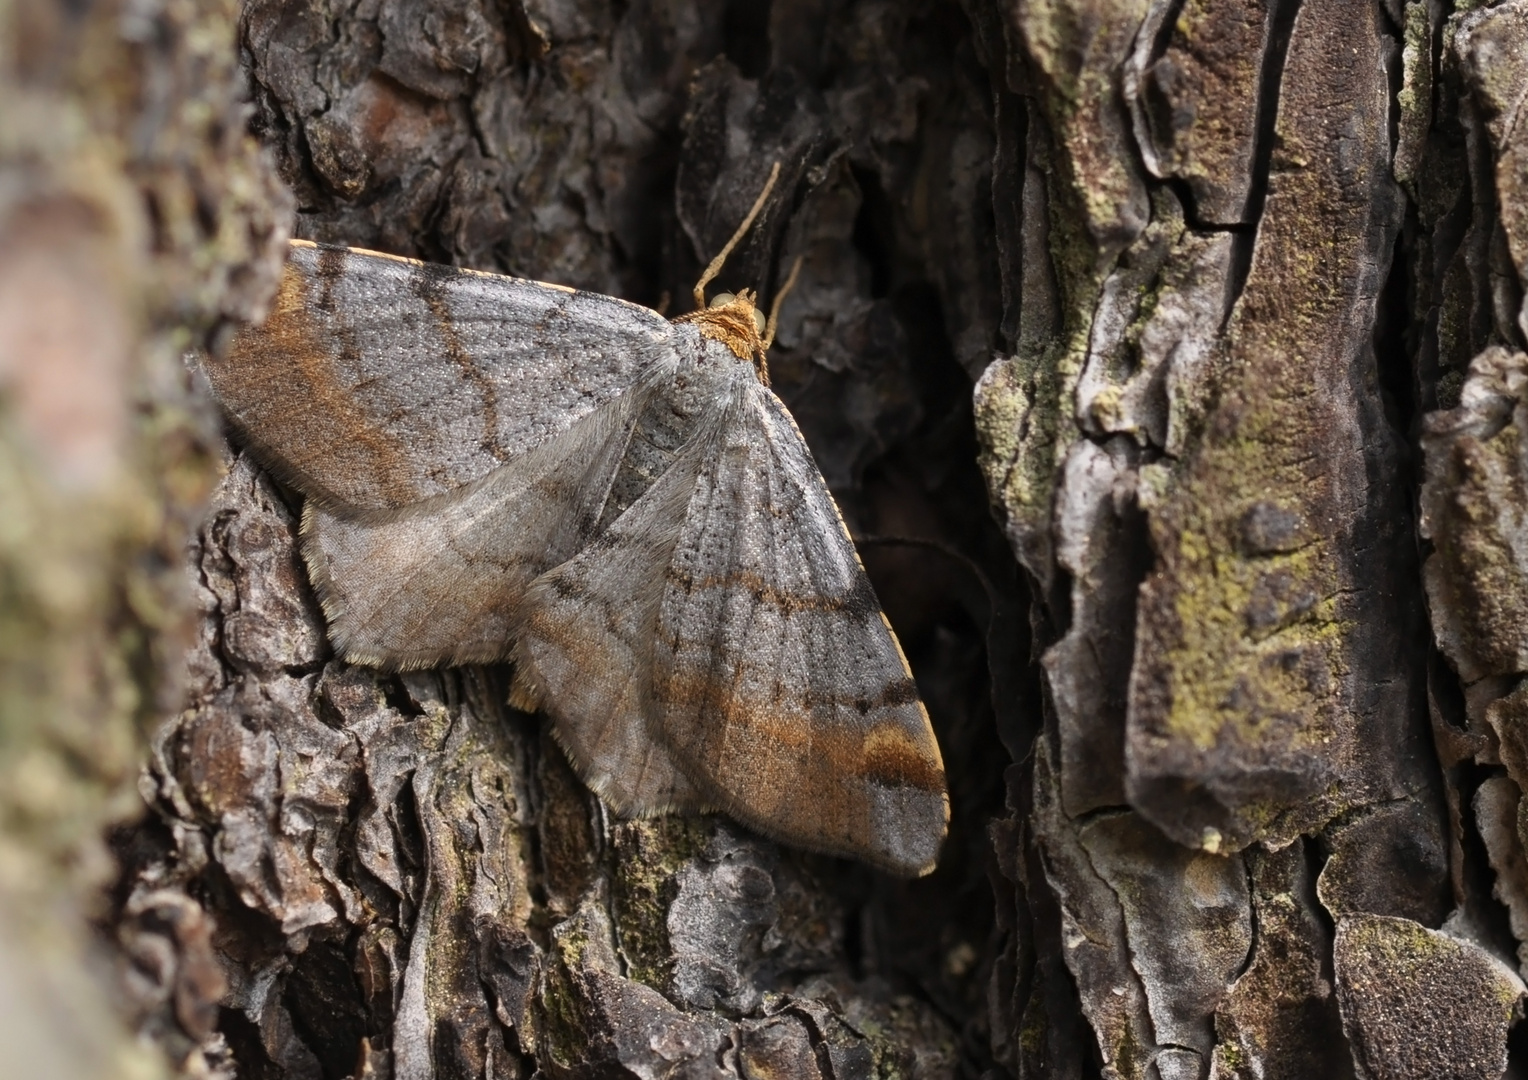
(724, 299)
(735, 320)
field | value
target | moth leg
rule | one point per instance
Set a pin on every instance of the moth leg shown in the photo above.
(721, 257)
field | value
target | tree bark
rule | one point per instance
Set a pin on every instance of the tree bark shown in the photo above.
(1216, 596)
(1259, 246)
(136, 215)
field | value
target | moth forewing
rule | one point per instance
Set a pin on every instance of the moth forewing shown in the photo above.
(378, 382)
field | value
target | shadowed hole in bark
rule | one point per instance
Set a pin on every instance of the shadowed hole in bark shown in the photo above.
(397, 696)
(1322, 1015)
(1447, 694)
(1517, 1049)
(746, 27)
(1164, 32)
(874, 232)
(326, 1007)
(1487, 915)
(245, 1044)
(854, 941)
(409, 830)
(1393, 349)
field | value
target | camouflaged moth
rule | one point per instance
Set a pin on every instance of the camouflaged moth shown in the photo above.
(495, 468)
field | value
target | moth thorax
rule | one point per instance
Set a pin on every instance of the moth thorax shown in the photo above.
(737, 323)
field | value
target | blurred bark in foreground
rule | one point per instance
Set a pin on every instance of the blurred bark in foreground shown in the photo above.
(136, 214)
(1228, 690)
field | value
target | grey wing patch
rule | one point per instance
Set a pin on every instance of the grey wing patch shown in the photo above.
(778, 686)
(586, 648)
(443, 580)
(378, 382)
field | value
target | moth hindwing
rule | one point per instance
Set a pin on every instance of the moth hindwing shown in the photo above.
(501, 469)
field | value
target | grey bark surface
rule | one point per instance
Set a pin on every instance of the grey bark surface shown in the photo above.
(1217, 447)
(1216, 595)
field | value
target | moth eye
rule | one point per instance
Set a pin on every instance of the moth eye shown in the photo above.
(721, 299)
(758, 319)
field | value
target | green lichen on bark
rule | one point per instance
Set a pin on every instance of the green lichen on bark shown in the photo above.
(1075, 51)
(563, 1034)
(1019, 420)
(1095, 204)
(646, 856)
(1419, 1003)
(1414, 99)
(1244, 641)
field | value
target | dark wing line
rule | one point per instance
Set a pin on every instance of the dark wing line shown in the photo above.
(824, 743)
(601, 608)
(379, 381)
(548, 500)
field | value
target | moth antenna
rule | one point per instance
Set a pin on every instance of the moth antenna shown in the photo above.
(774, 308)
(721, 257)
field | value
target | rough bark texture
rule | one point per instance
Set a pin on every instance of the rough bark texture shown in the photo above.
(1258, 832)
(1228, 677)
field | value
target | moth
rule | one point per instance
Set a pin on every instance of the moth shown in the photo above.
(500, 469)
